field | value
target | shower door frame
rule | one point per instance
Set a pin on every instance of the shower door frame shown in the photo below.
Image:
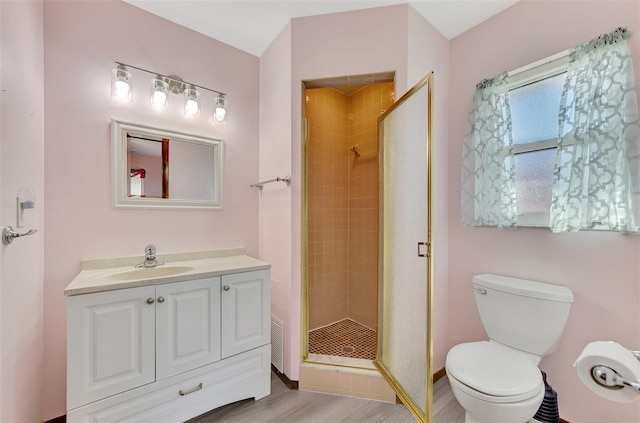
(426, 416)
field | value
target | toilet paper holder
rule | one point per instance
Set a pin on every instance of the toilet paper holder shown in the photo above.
(610, 379)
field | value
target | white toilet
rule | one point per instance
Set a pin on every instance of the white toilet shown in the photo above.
(498, 381)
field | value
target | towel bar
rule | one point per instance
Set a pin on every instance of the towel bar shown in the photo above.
(259, 185)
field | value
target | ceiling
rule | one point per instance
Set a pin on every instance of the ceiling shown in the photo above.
(251, 26)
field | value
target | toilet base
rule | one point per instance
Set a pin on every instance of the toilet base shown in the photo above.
(490, 412)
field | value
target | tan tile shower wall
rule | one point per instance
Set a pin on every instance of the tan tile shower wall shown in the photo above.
(365, 107)
(343, 203)
(328, 224)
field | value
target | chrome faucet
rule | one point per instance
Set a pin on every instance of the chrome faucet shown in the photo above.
(150, 257)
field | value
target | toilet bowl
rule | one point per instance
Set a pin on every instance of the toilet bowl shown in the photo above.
(498, 381)
(494, 383)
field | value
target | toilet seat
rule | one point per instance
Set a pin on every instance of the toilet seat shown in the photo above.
(494, 373)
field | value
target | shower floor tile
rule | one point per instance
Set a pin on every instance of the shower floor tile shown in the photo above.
(345, 338)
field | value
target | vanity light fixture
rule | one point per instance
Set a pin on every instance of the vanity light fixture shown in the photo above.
(121, 84)
(191, 102)
(161, 86)
(220, 113)
(159, 91)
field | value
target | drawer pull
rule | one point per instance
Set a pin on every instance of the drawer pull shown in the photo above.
(190, 391)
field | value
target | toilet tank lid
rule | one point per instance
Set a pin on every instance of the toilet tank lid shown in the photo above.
(527, 288)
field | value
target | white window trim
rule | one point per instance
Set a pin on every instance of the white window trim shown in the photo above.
(529, 74)
(536, 71)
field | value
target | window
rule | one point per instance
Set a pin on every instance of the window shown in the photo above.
(516, 155)
(534, 99)
(136, 185)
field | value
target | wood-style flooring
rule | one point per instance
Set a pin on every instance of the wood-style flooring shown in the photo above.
(290, 406)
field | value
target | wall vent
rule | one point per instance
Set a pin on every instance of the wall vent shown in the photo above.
(277, 344)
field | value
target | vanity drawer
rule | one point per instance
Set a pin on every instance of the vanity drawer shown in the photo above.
(186, 395)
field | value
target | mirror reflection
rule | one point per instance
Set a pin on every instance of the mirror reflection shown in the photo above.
(161, 168)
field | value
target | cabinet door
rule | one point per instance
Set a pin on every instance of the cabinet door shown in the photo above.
(187, 325)
(246, 307)
(110, 343)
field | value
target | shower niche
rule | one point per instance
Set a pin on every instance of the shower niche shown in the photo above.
(341, 216)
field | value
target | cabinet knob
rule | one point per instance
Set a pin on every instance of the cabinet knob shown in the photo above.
(150, 300)
(161, 300)
(226, 287)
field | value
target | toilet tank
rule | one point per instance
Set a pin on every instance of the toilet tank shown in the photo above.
(526, 315)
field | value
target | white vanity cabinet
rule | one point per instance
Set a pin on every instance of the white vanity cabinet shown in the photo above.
(244, 303)
(168, 352)
(187, 325)
(110, 343)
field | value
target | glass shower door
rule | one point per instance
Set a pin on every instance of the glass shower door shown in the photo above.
(404, 341)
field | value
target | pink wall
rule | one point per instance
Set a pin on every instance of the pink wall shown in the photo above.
(21, 152)
(275, 199)
(82, 41)
(428, 51)
(600, 267)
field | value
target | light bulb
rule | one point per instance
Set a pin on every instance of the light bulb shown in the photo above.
(122, 89)
(220, 112)
(121, 84)
(191, 108)
(191, 102)
(159, 88)
(159, 99)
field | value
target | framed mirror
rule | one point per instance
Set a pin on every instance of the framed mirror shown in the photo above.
(158, 168)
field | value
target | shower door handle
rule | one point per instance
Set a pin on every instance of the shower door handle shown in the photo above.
(423, 249)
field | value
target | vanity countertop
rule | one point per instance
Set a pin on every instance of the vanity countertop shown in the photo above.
(119, 273)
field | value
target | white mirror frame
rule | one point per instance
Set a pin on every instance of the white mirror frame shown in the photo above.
(119, 130)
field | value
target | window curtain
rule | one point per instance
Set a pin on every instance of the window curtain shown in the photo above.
(488, 164)
(596, 181)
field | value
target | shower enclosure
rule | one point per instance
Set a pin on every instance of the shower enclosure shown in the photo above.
(341, 146)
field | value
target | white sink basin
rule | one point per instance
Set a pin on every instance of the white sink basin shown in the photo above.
(148, 273)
